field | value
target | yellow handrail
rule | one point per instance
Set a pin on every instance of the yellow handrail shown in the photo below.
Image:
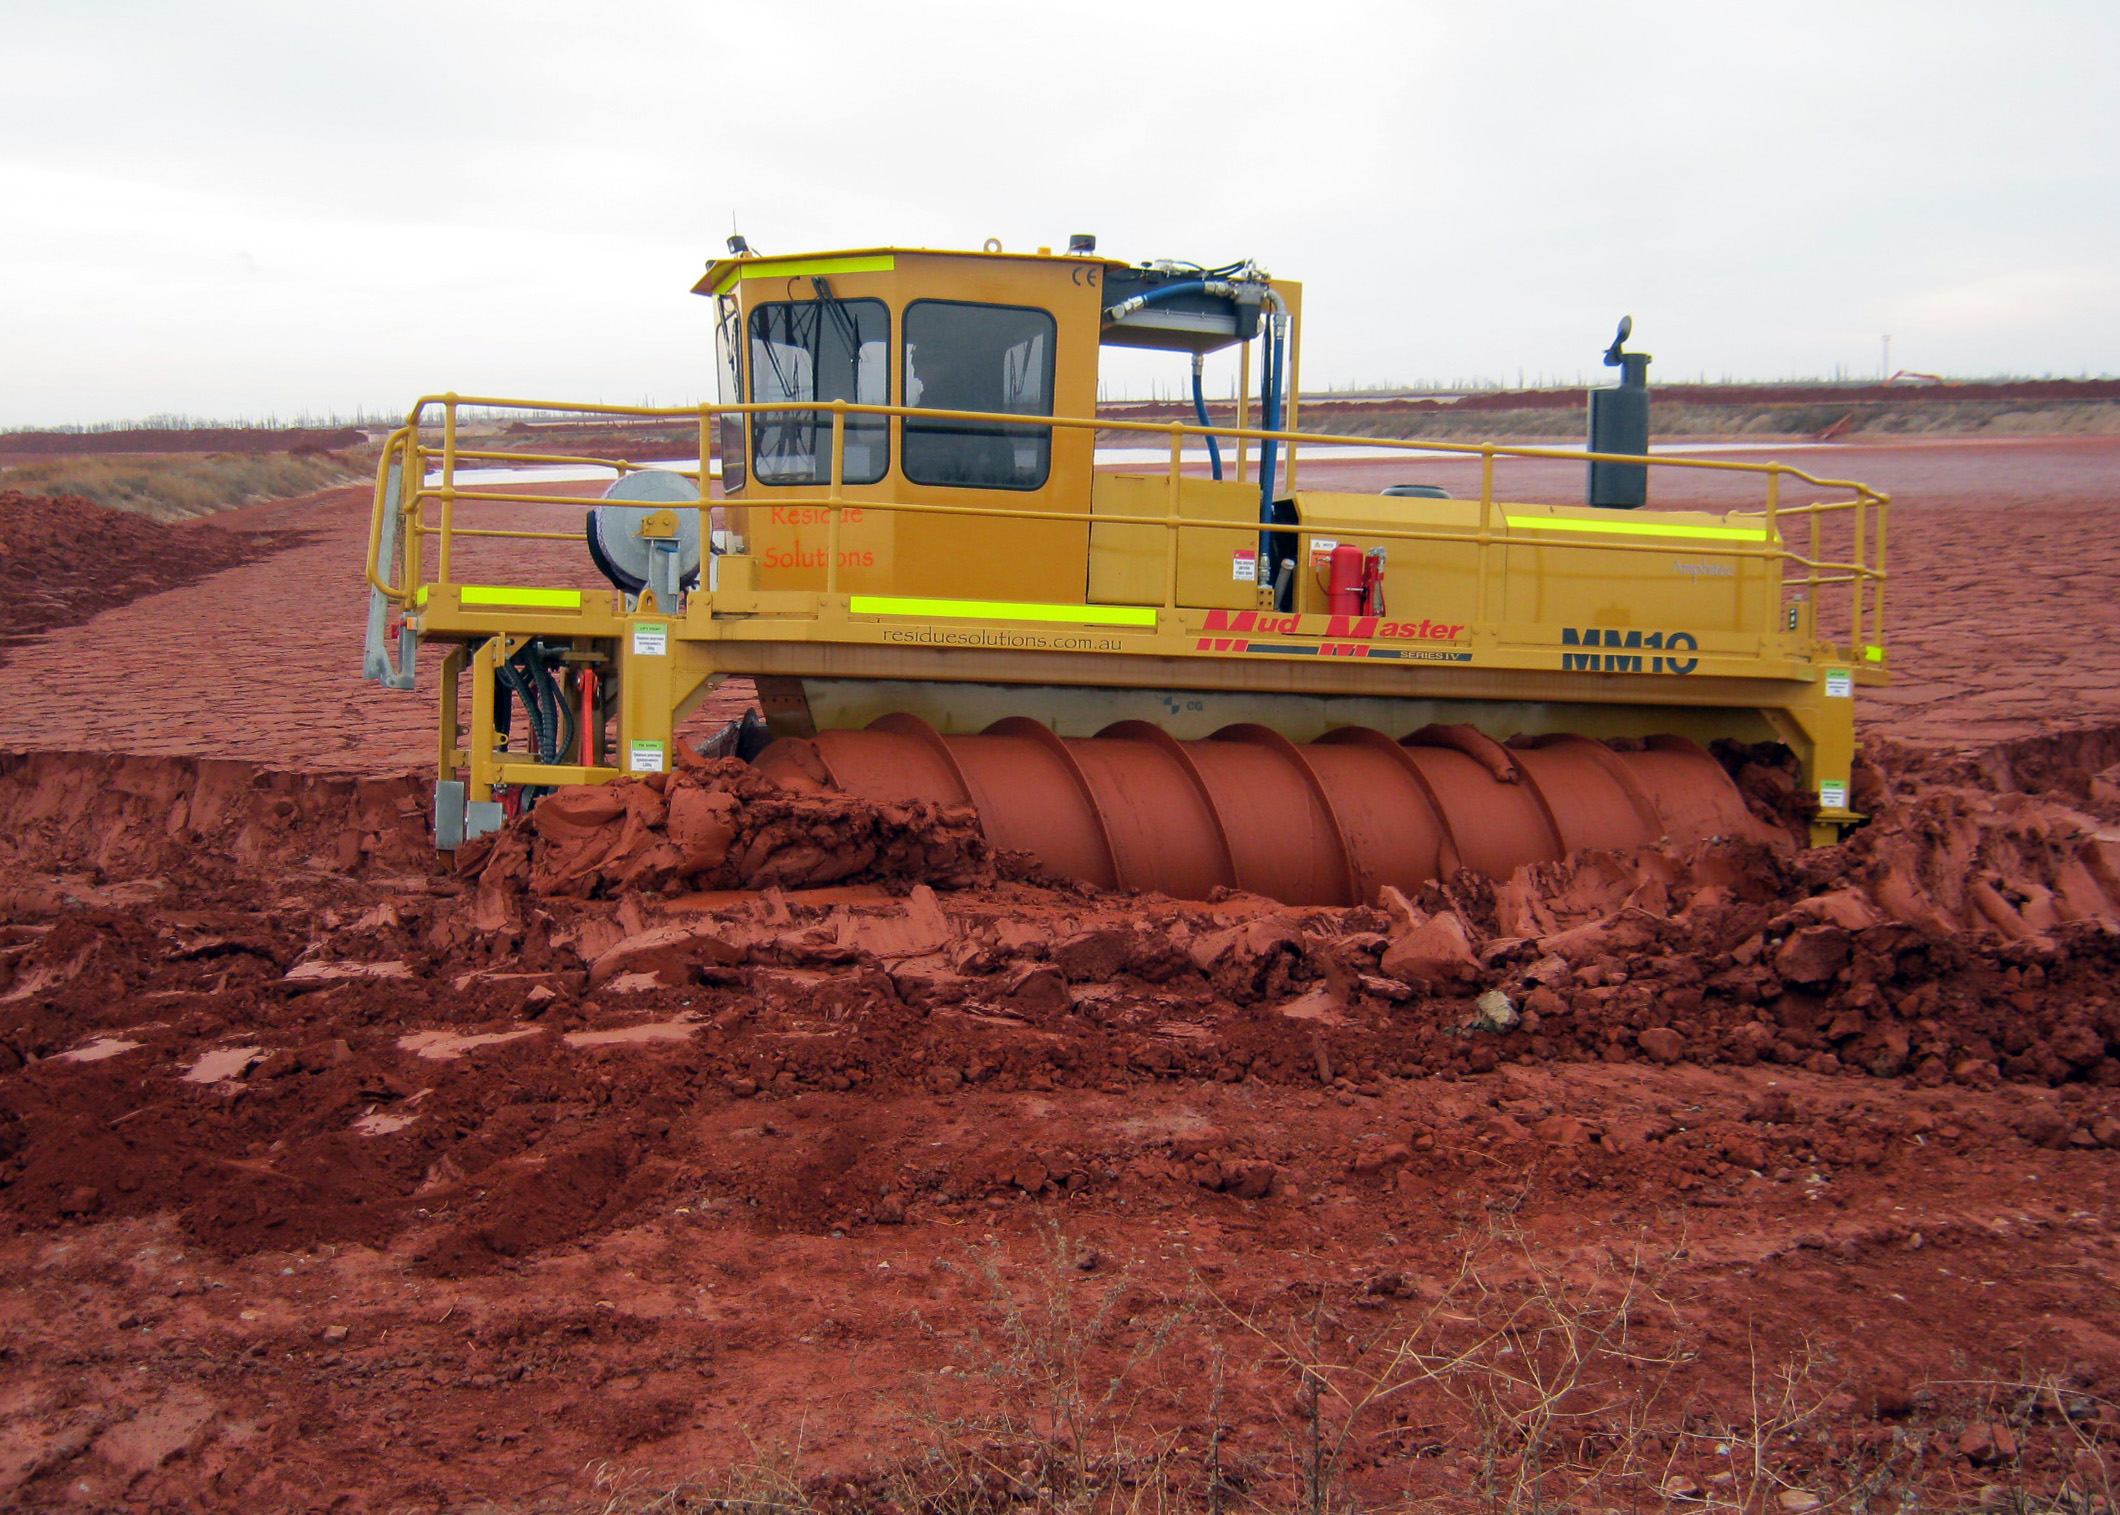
(403, 449)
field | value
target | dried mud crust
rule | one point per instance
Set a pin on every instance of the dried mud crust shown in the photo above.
(65, 560)
(409, 1186)
(723, 824)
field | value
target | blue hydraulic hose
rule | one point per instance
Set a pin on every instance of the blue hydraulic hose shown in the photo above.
(1276, 348)
(1214, 448)
(1165, 292)
(1162, 292)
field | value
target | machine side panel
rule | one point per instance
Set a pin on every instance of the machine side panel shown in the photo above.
(1710, 587)
(1694, 592)
(1215, 568)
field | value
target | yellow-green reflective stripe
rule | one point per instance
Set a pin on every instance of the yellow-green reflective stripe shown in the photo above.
(1874, 654)
(1003, 610)
(1638, 528)
(802, 268)
(505, 594)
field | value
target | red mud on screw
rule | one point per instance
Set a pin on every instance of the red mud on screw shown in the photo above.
(1330, 823)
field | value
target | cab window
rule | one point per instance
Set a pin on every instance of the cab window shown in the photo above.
(993, 358)
(728, 356)
(823, 349)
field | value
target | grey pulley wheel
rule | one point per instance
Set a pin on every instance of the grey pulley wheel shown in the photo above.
(634, 562)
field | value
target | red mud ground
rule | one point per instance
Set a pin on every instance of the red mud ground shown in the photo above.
(65, 560)
(333, 1183)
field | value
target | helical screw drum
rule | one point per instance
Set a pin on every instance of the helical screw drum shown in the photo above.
(1327, 823)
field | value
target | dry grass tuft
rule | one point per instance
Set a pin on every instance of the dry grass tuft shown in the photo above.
(1518, 1385)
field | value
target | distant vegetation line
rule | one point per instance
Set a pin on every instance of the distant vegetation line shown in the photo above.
(1489, 393)
(1951, 391)
(182, 488)
(172, 421)
(246, 440)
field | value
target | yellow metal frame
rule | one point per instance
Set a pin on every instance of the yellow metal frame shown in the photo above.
(1866, 604)
(1780, 678)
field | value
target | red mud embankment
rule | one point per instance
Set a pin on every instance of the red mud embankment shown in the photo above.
(338, 1181)
(194, 823)
(1726, 951)
(1967, 937)
(64, 560)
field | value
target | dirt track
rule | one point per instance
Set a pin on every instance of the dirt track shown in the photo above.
(491, 1186)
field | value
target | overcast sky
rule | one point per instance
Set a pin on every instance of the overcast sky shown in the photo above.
(232, 209)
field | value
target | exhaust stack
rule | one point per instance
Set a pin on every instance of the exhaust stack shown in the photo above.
(1619, 422)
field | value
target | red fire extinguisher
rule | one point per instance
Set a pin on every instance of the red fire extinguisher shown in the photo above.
(1343, 586)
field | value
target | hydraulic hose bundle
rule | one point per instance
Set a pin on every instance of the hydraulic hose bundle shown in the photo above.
(1271, 362)
(527, 677)
(1273, 376)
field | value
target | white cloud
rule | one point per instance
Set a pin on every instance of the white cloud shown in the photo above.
(229, 207)
(2015, 300)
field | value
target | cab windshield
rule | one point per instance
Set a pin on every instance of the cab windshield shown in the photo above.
(823, 349)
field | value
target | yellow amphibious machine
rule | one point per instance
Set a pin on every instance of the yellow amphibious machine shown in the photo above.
(1141, 650)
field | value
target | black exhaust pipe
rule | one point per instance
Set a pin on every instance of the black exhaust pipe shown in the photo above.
(1619, 422)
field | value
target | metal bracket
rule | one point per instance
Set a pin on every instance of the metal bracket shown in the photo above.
(449, 799)
(376, 661)
(482, 816)
(663, 571)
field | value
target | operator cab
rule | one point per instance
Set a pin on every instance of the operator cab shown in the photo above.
(999, 335)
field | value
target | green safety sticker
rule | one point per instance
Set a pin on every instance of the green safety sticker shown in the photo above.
(1840, 684)
(1832, 796)
(645, 757)
(651, 639)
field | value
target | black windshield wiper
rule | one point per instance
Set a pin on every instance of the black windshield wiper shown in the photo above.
(849, 331)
